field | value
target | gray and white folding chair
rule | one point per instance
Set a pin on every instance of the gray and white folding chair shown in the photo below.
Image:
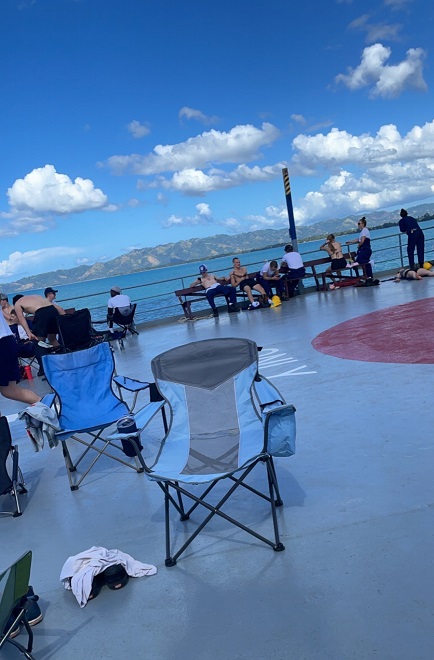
(224, 420)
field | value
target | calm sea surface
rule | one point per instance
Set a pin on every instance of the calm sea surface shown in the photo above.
(153, 289)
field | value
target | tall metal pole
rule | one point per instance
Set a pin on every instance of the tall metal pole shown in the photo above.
(292, 230)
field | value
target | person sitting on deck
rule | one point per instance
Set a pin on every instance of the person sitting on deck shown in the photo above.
(296, 269)
(240, 278)
(413, 274)
(9, 372)
(334, 250)
(6, 308)
(213, 287)
(45, 317)
(269, 276)
(119, 301)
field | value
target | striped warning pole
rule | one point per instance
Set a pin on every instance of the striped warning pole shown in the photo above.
(292, 230)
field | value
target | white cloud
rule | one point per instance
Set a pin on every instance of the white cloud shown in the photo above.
(197, 182)
(388, 81)
(241, 144)
(299, 119)
(137, 129)
(202, 217)
(19, 263)
(376, 31)
(45, 191)
(190, 113)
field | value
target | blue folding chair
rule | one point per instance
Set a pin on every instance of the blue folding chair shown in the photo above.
(224, 420)
(87, 406)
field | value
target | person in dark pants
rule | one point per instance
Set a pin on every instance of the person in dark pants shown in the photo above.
(416, 239)
(364, 251)
(212, 287)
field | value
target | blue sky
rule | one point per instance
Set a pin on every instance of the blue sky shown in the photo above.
(133, 123)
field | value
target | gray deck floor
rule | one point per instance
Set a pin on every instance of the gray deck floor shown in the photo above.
(355, 580)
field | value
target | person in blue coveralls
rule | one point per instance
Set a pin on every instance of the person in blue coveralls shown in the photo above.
(416, 239)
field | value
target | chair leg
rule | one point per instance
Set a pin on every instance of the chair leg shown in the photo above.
(278, 547)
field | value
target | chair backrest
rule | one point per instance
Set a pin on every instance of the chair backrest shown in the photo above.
(5, 446)
(208, 386)
(123, 318)
(75, 330)
(14, 584)
(83, 382)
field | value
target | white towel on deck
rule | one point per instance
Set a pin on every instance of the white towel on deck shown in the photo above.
(79, 570)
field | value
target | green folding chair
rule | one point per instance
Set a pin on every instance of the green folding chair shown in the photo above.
(14, 585)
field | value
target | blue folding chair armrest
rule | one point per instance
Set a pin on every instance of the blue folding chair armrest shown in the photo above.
(48, 399)
(130, 384)
(142, 418)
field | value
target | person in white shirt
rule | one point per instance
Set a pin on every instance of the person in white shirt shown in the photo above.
(9, 370)
(117, 300)
(296, 269)
(269, 276)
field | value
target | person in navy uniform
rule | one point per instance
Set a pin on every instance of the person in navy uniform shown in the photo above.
(416, 239)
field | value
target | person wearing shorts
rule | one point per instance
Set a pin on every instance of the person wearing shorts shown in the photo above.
(45, 313)
(239, 277)
(9, 370)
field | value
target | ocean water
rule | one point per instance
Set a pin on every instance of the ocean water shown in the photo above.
(153, 289)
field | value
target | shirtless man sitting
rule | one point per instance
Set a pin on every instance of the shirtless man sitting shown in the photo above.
(44, 324)
(239, 277)
(212, 287)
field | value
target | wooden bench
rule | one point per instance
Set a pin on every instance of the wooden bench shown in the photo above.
(315, 268)
(196, 293)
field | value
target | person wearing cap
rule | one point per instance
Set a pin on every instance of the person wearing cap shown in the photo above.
(293, 261)
(213, 287)
(416, 238)
(50, 293)
(117, 300)
(9, 372)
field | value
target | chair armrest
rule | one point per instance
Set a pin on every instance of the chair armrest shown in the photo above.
(142, 418)
(279, 430)
(266, 392)
(48, 399)
(130, 384)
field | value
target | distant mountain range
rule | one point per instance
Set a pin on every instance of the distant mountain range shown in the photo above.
(197, 249)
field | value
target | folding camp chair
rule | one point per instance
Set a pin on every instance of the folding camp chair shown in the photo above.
(14, 585)
(87, 405)
(224, 420)
(11, 480)
(125, 320)
(76, 331)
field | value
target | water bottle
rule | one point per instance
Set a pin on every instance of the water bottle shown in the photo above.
(127, 426)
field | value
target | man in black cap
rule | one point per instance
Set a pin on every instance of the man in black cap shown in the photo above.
(50, 293)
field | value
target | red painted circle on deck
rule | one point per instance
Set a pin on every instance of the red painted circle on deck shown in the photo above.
(401, 334)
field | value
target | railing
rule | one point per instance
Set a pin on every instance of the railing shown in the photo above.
(155, 299)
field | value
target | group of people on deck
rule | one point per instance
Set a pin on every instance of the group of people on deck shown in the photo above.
(407, 225)
(262, 282)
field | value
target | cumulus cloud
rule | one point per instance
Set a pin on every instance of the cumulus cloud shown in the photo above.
(137, 129)
(190, 113)
(19, 263)
(196, 182)
(367, 172)
(384, 80)
(45, 191)
(241, 144)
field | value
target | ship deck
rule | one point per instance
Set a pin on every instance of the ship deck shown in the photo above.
(355, 580)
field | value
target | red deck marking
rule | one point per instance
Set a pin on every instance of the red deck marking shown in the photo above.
(401, 334)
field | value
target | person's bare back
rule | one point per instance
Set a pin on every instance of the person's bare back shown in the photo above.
(43, 327)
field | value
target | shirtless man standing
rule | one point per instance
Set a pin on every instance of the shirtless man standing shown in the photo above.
(45, 314)
(240, 278)
(213, 287)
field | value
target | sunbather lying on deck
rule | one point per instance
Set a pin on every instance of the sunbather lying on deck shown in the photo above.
(413, 274)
